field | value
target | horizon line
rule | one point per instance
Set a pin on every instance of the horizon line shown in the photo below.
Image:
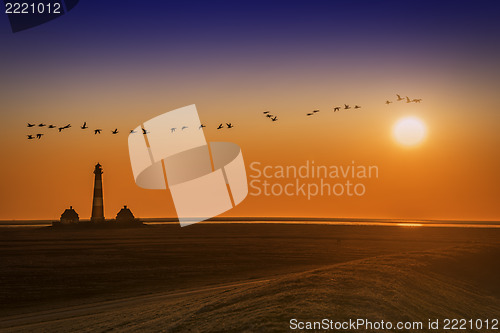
(283, 218)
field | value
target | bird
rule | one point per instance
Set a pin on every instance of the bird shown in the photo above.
(337, 108)
(417, 100)
(132, 131)
(201, 126)
(60, 129)
(315, 111)
(183, 128)
(30, 125)
(41, 125)
(399, 98)
(265, 112)
(220, 126)
(274, 119)
(229, 125)
(269, 115)
(310, 114)
(357, 107)
(97, 131)
(52, 126)
(115, 131)
(144, 131)
(346, 107)
(84, 126)
(67, 126)
(388, 102)
(408, 99)
(30, 137)
(172, 130)
(39, 135)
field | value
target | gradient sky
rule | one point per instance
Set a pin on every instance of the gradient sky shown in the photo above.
(116, 64)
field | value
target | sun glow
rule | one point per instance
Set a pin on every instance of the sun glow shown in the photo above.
(409, 224)
(409, 131)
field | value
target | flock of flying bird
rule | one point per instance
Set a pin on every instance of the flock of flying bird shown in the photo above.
(335, 109)
(84, 126)
(270, 116)
(221, 126)
(115, 131)
(408, 100)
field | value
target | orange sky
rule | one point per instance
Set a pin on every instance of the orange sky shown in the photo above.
(452, 175)
(117, 72)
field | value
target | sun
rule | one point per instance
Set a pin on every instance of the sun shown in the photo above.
(409, 131)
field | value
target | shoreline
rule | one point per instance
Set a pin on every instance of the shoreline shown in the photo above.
(285, 221)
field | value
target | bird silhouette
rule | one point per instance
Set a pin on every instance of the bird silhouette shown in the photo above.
(30, 137)
(183, 128)
(274, 119)
(201, 126)
(265, 112)
(310, 114)
(97, 131)
(229, 125)
(52, 126)
(220, 126)
(388, 102)
(30, 125)
(67, 126)
(84, 126)
(144, 131)
(357, 107)
(337, 108)
(408, 99)
(39, 135)
(315, 111)
(417, 100)
(115, 131)
(346, 107)
(172, 130)
(269, 115)
(60, 129)
(399, 98)
(41, 125)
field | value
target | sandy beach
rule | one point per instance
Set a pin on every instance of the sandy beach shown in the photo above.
(246, 277)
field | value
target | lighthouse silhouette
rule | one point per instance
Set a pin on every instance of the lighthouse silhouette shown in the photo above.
(97, 203)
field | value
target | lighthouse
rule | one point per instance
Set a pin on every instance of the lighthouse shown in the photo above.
(97, 203)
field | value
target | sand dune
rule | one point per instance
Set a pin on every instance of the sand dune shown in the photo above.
(455, 282)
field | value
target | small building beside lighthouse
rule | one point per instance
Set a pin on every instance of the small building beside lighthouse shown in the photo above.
(69, 216)
(125, 216)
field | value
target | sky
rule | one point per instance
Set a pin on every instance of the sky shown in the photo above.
(116, 64)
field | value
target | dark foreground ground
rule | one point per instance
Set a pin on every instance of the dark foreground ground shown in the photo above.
(307, 272)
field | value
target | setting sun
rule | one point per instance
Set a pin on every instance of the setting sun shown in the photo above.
(409, 131)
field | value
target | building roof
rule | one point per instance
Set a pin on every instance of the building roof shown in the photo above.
(125, 214)
(69, 214)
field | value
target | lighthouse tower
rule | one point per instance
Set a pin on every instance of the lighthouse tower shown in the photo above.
(97, 203)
